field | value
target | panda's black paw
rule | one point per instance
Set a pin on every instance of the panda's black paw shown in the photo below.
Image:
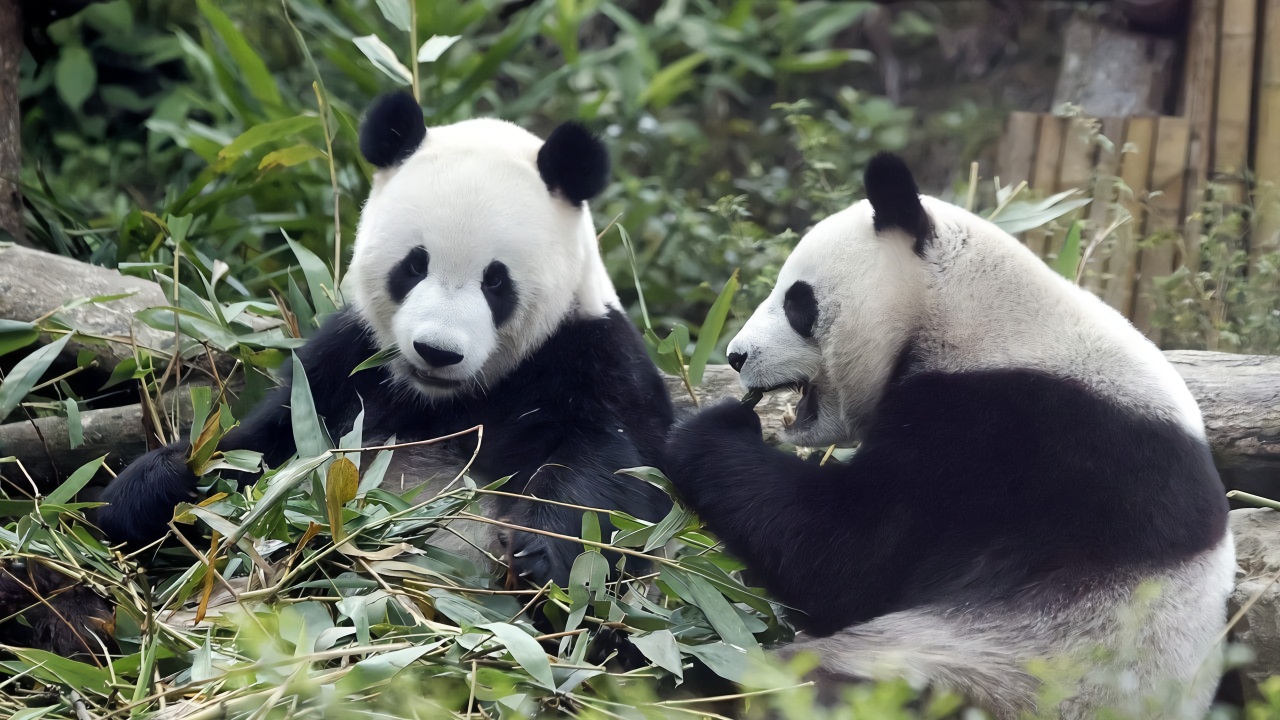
(726, 421)
(698, 446)
(534, 559)
(140, 501)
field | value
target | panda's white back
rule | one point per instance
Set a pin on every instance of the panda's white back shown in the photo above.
(997, 305)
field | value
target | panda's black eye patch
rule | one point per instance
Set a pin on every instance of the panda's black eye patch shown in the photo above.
(408, 273)
(499, 292)
(801, 308)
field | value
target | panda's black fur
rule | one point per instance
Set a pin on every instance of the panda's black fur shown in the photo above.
(586, 403)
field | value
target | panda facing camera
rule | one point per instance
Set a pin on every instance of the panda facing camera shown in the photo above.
(476, 260)
(1031, 519)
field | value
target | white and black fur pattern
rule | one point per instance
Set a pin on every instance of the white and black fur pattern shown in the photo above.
(476, 258)
(1032, 517)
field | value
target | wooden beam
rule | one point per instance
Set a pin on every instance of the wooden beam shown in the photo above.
(1135, 173)
(1168, 177)
(1199, 93)
(1018, 148)
(1235, 96)
(1266, 153)
(1044, 176)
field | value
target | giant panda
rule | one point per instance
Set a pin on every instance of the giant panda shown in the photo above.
(475, 258)
(1031, 517)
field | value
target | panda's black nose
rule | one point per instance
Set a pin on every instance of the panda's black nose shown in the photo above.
(437, 357)
(737, 360)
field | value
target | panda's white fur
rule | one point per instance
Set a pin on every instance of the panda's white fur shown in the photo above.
(486, 201)
(947, 299)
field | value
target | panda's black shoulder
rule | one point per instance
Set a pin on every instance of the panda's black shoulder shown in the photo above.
(1025, 454)
(598, 371)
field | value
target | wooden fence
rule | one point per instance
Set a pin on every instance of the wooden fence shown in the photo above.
(1227, 131)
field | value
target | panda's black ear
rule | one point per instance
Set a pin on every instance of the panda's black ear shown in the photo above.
(391, 130)
(574, 163)
(895, 199)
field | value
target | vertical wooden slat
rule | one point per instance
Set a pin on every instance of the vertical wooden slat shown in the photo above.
(1168, 179)
(1266, 155)
(1199, 94)
(1018, 148)
(1135, 172)
(1235, 95)
(1044, 176)
(1106, 173)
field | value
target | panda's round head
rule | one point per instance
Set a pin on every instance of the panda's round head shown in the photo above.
(846, 303)
(476, 243)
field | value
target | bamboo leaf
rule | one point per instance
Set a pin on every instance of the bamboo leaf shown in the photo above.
(525, 651)
(268, 132)
(254, 71)
(27, 373)
(709, 335)
(435, 46)
(74, 484)
(383, 58)
(15, 335)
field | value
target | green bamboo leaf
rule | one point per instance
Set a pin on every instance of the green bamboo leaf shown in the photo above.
(268, 132)
(661, 649)
(15, 335)
(383, 58)
(672, 80)
(254, 71)
(319, 279)
(75, 428)
(281, 484)
(74, 484)
(1068, 262)
(58, 670)
(435, 46)
(290, 156)
(27, 373)
(378, 359)
(396, 12)
(378, 669)
(723, 618)
(308, 433)
(525, 651)
(677, 520)
(709, 335)
(75, 76)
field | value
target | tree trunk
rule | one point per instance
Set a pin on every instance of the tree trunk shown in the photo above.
(10, 119)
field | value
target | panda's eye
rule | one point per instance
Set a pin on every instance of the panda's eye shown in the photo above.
(495, 277)
(801, 308)
(419, 261)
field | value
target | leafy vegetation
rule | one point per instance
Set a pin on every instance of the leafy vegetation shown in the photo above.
(212, 146)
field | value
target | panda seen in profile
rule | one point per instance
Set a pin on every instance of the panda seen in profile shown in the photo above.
(477, 259)
(1031, 518)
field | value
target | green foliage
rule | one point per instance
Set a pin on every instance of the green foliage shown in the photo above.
(1228, 301)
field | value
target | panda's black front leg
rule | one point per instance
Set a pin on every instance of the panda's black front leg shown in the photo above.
(141, 499)
(583, 476)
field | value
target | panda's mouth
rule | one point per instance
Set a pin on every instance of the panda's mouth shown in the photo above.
(807, 408)
(435, 382)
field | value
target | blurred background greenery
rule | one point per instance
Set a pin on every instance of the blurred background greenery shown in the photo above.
(734, 125)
